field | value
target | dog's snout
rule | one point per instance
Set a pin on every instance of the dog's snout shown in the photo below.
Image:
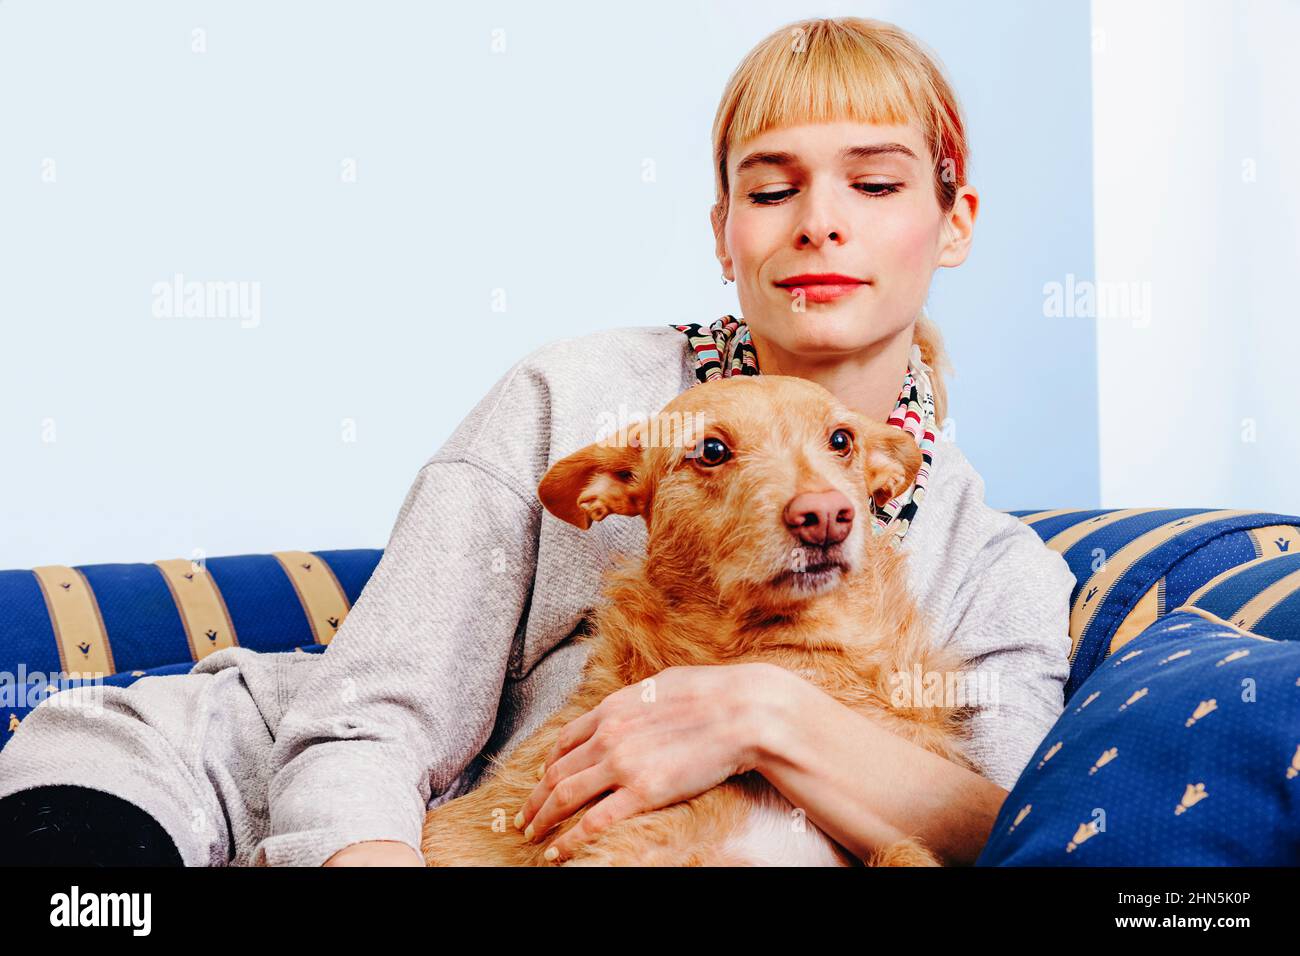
(820, 517)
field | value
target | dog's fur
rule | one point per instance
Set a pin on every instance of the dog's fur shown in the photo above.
(707, 592)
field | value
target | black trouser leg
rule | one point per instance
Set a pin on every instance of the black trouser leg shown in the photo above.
(80, 826)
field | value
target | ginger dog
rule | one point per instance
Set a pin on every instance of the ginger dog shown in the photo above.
(756, 492)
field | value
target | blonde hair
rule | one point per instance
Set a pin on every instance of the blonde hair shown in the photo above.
(848, 68)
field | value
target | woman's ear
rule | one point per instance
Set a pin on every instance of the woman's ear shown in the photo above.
(891, 458)
(718, 220)
(959, 227)
(602, 479)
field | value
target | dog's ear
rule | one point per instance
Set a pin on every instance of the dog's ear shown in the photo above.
(891, 459)
(602, 479)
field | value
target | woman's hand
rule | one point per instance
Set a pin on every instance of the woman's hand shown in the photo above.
(655, 743)
(376, 853)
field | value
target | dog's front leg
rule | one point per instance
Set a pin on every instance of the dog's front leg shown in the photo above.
(478, 829)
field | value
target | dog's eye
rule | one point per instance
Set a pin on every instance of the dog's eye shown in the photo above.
(712, 451)
(842, 441)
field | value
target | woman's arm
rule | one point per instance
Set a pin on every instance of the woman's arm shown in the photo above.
(407, 692)
(862, 785)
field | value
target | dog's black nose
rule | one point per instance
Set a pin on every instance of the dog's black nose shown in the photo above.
(820, 517)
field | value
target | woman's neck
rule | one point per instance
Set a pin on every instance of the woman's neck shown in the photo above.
(866, 381)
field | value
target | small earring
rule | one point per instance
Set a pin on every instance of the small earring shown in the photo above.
(725, 280)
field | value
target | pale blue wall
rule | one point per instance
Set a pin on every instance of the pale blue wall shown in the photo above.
(475, 171)
(1196, 145)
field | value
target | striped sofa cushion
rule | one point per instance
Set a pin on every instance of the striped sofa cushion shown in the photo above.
(127, 621)
(1261, 596)
(1135, 565)
(112, 618)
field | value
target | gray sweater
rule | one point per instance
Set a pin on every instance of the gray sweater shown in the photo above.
(458, 646)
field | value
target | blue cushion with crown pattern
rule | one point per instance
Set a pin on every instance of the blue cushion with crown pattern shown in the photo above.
(1182, 749)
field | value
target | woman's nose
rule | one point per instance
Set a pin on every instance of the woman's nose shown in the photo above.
(820, 517)
(822, 220)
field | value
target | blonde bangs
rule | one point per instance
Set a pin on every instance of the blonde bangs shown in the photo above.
(829, 70)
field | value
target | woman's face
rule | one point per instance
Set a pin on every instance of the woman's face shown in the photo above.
(847, 198)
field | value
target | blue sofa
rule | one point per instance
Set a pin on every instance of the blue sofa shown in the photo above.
(1133, 567)
(1179, 743)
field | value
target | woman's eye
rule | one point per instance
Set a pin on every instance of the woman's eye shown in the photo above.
(842, 441)
(877, 189)
(712, 451)
(872, 190)
(768, 198)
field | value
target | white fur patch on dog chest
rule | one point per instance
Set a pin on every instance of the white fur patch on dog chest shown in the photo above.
(775, 834)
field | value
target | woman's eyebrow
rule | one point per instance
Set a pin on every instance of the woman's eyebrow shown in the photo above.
(867, 152)
(781, 158)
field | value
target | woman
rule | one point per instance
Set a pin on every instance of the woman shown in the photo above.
(840, 158)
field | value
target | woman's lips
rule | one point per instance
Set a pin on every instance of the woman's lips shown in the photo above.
(822, 292)
(821, 289)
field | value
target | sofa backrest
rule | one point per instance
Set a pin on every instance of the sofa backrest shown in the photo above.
(1134, 565)
(115, 618)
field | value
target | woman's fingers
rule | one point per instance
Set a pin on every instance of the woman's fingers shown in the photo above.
(619, 805)
(552, 773)
(569, 795)
(575, 749)
(572, 735)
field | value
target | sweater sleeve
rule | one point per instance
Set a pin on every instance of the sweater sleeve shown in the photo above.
(407, 692)
(1013, 627)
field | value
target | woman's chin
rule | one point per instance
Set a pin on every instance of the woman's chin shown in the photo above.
(828, 329)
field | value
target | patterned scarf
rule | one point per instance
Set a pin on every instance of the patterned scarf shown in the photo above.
(724, 348)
